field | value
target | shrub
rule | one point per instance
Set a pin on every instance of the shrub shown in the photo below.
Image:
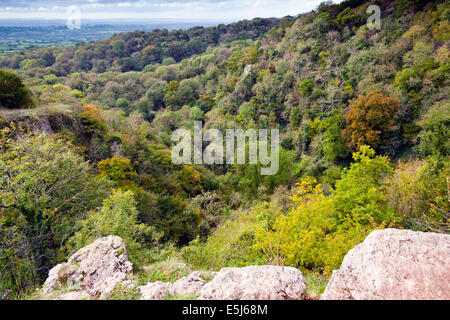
(117, 216)
(434, 138)
(117, 169)
(419, 192)
(231, 245)
(320, 230)
(13, 93)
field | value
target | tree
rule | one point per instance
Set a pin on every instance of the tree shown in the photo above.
(44, 188)
(170, 93)
(361, 192)
(123, 104)
(306, 87)
(43, 178)
(434, 137)
(369, 120)
(117, 169)
(13, 93)
(419, 191)
(333, 147)
(117, 216)
(319, 230)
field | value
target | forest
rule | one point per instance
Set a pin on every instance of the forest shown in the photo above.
(364, 121)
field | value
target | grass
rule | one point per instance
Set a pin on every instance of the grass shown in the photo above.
(315, 284)
(120, 293)
(168, 270)
(187, 297)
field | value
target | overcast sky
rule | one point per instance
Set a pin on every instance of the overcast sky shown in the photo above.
(225, 10)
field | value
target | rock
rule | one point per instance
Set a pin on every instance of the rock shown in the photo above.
(395, 265)
(74, 295)
(189, 285)
(154, 290)
(128, 285)
(53, 281)
(95, 269)
(255, 283)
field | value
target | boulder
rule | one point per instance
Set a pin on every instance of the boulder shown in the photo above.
(95, 269)
(189, 285)
(154, 290)
(395, 265)
(255, 283)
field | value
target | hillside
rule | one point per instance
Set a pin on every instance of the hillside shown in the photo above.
(363, 114)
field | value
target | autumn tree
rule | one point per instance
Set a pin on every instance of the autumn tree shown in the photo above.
(369, 119)
(117, 169)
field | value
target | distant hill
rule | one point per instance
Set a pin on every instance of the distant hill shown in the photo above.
(131, 50)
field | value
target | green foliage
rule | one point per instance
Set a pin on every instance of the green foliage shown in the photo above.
(117, 216)
(246, 112)
(326, 81)
(306, 87)
(419, 192)
(43, 178)
(229, 246)
(235, 63)
(196, 114)
(315, 284)
(434, 138)
(361, 192)
(170, 93)
(117, 169)
(19, 268)
(13, 93)
(123, 104)
(44, 188)
(120, 293)
(319, 230)
(333, 146)
(166, 270)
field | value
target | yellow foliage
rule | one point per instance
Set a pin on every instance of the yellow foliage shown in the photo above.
(441, 32)
(92, 111)
(297, 238)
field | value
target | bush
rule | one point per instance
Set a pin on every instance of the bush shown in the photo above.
(117, 216)
(434, 139)
(318, 232)
(419, 192)
(13, 93)
(231, 245)
(44, 188)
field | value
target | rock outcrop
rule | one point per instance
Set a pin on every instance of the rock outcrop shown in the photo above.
(94, 270)
(187, 286)
(154, 290)
(255, 283)
(395, 265)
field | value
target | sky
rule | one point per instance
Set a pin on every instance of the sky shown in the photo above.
(223, 10)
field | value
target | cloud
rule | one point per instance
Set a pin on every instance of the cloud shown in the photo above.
(224, 10)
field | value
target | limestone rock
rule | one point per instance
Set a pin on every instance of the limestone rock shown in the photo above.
(189, 285)
(95, 269)
(255, 283)
(396, 265)
(74, 295)
(154, 290)
(128, 285)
